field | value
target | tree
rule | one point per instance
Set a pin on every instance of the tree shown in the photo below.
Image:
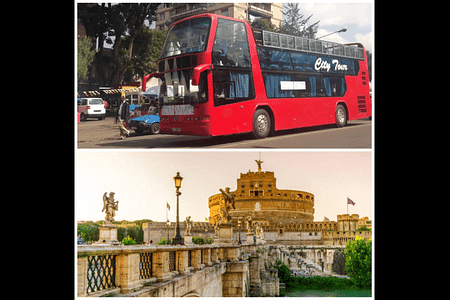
(95, 21)
(295, 24)
(369, 64)
(358, 262)
(146, 51)
(338, 265)
(85, 57)
(88, 231)
(263, 24)
(284, 273)
(127, 18)
(118, 24)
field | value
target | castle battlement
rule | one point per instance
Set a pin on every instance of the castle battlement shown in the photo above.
(257, 196)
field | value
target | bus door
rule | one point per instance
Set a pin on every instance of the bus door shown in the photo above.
(232, 77)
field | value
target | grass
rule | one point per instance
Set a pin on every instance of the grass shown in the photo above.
(337, 293)
(318, 286)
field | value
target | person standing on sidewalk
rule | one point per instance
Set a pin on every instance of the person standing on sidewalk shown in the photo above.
(123, 114)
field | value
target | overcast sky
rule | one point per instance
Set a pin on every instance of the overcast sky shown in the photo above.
(143, 180)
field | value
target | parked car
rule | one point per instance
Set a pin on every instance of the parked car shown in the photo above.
(146, 122)
(91, 108)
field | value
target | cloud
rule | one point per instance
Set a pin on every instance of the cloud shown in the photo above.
(365, 39)
(356, 17)
(331, 38)
(339, 14)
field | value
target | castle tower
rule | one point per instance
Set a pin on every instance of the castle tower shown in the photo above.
(258, 196)
(347, 222)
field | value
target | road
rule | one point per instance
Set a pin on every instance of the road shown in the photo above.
(105, 134)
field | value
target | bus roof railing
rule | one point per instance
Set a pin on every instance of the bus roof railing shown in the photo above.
(292, 42)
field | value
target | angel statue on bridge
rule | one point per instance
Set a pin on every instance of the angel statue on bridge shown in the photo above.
(188, 226)
(109, 207)
(225, 205)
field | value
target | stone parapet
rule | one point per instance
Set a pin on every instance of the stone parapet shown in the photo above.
(140, 270)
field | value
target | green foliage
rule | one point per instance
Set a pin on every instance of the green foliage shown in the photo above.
(320, 283)
(85, 56)
(338, 266)
(294, 22)
(264, 24)
(359, 262)
(132, 229)
(124, 27)
(284, 273)
(88, 231)
(364, 228)
(146, 50)
(201, 240)
(128, 241)
(165, 242)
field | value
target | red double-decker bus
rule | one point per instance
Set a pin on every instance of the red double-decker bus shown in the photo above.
(220, 77)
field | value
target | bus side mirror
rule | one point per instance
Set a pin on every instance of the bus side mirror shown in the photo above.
(146, 78)
(198, 70)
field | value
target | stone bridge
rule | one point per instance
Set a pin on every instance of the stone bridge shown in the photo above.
(190, 270)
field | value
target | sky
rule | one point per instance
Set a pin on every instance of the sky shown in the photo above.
(356, 16)
(143, 180)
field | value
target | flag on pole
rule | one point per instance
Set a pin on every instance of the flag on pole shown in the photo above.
(349, 201)
(168, 206)
(326, 219)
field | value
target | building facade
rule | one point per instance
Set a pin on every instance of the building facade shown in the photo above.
(246, 11)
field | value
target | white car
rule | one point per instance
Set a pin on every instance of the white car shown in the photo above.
(91, 108)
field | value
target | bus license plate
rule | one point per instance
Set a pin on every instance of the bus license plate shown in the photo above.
(176, 129)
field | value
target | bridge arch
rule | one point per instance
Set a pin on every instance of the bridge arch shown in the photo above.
(192, 294)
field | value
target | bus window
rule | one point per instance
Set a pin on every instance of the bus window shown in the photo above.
(337, 86)
(232, 86)
(231, 45)
(187, 37)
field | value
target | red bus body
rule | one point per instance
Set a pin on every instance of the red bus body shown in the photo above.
(208, 119)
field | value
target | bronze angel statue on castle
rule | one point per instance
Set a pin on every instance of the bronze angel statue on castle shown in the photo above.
(109, 207)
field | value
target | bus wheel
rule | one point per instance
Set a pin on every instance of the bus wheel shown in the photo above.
(341, 116)
(261, 124)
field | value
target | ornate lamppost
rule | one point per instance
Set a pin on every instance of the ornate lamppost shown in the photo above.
(239, 228)
(177, 239)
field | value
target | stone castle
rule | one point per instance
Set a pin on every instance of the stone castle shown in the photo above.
(286, 216)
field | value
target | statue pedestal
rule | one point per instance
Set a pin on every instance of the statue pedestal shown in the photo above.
(225, 234)
(250, 239)
(260, 241)
(107, 235)
(188, 240)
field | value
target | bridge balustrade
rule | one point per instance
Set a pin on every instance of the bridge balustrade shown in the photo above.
(105, 270)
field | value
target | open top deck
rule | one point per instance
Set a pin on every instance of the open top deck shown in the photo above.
(292, 42)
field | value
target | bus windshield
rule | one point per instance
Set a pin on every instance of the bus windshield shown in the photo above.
(187, 37)
(177, 88)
